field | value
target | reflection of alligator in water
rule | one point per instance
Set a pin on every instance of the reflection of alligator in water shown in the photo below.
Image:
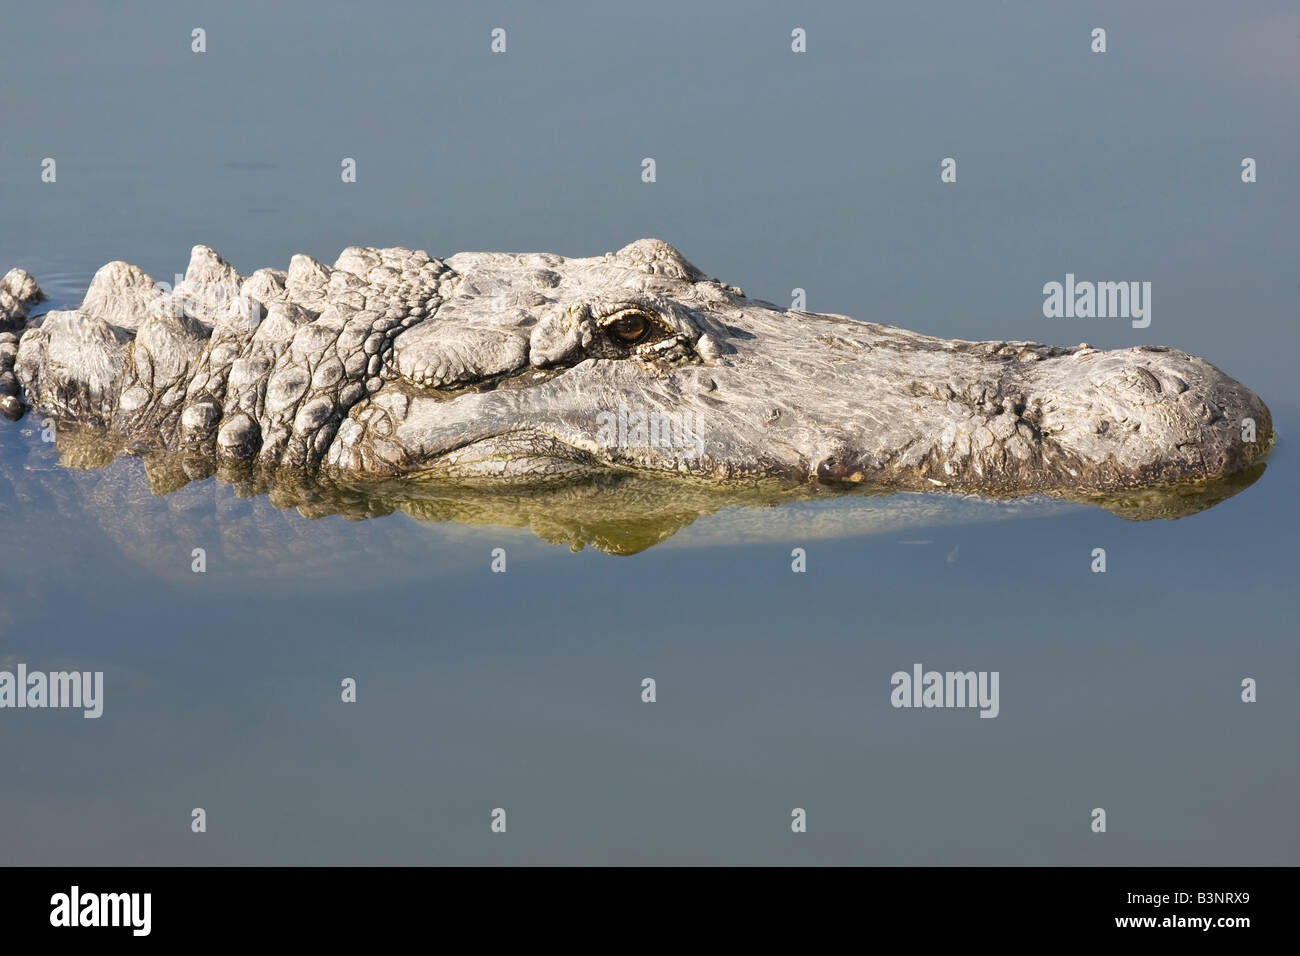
(620, 512)
(502, 372)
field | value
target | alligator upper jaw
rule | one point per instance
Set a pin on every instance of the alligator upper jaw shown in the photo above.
(1079, 424)
(1143, 431)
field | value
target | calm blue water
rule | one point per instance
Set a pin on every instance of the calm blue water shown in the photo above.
(523, 690)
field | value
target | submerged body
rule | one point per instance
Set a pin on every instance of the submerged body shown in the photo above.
(532, 368)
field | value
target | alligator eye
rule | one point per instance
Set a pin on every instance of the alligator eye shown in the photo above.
(629, 328)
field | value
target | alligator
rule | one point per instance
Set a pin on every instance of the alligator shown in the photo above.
(525, 369)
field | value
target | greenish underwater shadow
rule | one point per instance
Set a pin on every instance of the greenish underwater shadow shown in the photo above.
(617, 512)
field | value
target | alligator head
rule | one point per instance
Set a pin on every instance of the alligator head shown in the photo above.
(532, 367)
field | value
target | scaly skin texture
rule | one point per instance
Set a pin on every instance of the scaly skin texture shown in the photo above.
(505, 367)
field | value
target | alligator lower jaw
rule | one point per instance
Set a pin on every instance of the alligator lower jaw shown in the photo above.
(533, 460)
(1075, 480)
(654, 503)
(1133, 501)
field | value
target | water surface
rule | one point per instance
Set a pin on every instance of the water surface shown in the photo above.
(522, 690)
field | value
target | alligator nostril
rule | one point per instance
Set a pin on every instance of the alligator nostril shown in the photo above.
(1145, 381)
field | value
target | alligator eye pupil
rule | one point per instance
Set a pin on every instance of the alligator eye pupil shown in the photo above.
(629, 328)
